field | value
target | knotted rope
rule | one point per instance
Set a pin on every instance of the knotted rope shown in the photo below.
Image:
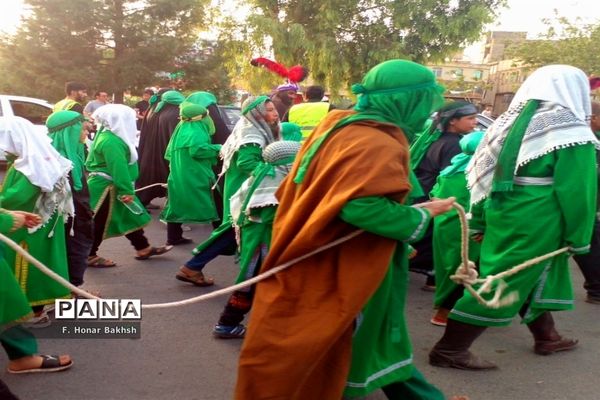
(466, 274)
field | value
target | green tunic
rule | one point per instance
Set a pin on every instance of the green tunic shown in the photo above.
(13, 303)
(242, 164)
(191, 178)
(532, 220)
(447, 236)
(111, 176)
(47, 244)
(381, 348)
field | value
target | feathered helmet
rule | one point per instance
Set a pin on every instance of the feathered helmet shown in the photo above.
(293, 75)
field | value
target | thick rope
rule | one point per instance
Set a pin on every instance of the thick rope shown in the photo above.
(192, 300)
(466, 273)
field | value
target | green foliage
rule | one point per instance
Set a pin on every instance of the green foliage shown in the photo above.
(565, 42)
(111, 45)
(339, 40)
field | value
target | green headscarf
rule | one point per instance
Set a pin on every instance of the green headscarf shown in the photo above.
(170, 97)
(204, 99)
(64, 128)
(291, 131)
(249, 106)
(468, 144)
(194, 129)
(455, 109)
(396, 92)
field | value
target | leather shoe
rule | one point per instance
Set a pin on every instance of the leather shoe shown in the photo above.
(459, 359)
(547, 347)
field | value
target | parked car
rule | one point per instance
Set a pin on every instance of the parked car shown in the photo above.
(483, 122)
(230, 114)
(34, 110)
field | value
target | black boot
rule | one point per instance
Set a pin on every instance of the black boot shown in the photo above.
(452, 351)
(547, 339)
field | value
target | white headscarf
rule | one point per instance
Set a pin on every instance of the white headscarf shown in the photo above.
(560, 121)
(560, 84)
(36, 158)
(41, 164)
(120, 120)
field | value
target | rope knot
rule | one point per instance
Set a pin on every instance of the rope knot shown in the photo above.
(466, 276)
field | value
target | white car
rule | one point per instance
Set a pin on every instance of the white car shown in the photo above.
(34, 110)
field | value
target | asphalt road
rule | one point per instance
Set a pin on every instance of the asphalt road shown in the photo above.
(177, 358)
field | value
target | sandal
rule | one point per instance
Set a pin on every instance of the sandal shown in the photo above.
(154, 251)
(39, 321)
(100, 262)
(197, 278)
(49, 364)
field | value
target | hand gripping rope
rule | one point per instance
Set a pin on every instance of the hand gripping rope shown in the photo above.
(466, 274)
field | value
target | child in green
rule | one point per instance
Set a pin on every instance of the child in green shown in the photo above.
(253, 209)
(452, 182)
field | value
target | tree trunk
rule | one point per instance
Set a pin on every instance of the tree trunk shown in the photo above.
(117, 80)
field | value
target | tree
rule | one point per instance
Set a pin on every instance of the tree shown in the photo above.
(565, 42)
(111, 45)
(339, 40)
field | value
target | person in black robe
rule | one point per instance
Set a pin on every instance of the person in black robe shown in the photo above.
(157, 128)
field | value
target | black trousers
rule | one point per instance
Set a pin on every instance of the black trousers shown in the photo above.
(589, 264)
(137, 238)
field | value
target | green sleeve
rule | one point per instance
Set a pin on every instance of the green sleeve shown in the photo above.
(18, 193)
(117, 163)
(248, 157)
(6, 222)
(385, 217)
(575, 184)
(205, 151)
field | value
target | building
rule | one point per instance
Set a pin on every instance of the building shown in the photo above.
(505, 78)
(498, 42)
(463, 80)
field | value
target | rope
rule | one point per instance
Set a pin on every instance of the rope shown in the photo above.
(466, 274)
(192, 300)
(149, 186)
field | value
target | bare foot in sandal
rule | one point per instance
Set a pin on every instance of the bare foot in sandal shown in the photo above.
(39, 363)
(194, 277)
(100, 262)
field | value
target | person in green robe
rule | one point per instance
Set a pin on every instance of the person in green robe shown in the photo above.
(191, 156)
(534, 172)
(429, 155)
(344, 307)
(18, 342)
(253, 209)
(452, 182)
(112, 166)
(242, 152)
(37, 182)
